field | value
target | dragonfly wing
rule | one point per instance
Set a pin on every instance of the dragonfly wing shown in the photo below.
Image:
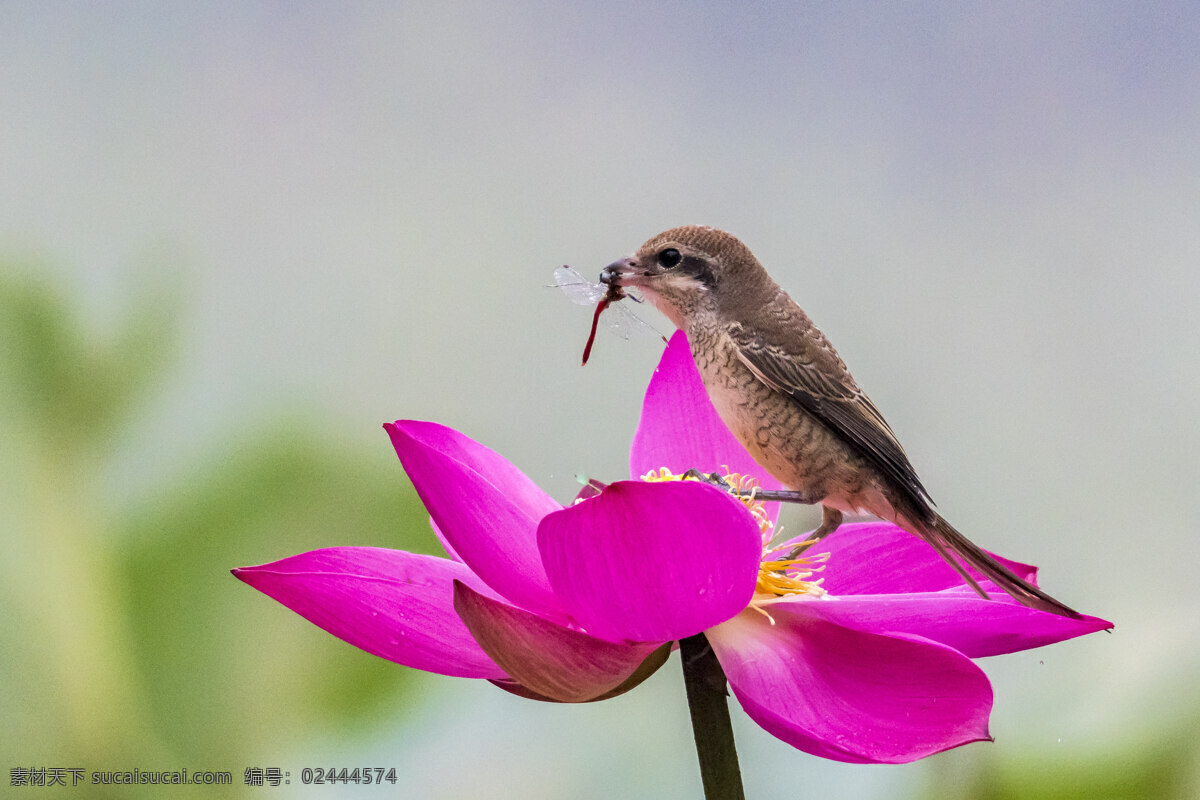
(624, 323)
(641, 326)
(619, 320)
(578, 289)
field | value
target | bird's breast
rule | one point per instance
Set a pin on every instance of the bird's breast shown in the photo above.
(788, 442)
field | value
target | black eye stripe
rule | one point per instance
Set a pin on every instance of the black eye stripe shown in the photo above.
(700, 268)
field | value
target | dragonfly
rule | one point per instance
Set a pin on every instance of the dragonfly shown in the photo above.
(582, 292)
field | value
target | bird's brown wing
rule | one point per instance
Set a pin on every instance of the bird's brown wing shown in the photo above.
(809, 370)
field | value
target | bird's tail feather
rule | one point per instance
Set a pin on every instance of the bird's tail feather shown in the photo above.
(961, 553)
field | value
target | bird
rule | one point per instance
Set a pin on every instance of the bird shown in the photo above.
(778, 384)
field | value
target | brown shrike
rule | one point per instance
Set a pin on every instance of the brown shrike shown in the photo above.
(779, 385)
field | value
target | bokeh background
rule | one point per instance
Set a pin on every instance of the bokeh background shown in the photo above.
(235, 238)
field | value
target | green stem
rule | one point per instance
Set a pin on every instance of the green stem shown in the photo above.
(709, 706)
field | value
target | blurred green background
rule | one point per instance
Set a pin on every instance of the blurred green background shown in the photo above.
(236, 238)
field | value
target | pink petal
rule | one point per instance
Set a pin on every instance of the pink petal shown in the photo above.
(556, 662)
(486, 509)
(393, 604)
(960, 619)
(881, 558)
(681, 430)
(441, 537)
(647, 668)
(590, 489)
(849, 695)
(652, 561)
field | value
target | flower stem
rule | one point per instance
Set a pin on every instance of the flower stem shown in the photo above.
(707, 701)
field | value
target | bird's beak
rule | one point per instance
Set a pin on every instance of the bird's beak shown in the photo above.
(621, 273)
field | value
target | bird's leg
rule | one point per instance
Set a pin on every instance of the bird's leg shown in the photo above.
(766, 495)
(831, 518)
(787, 496)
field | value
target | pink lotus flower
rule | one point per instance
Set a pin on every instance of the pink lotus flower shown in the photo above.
(584, 602)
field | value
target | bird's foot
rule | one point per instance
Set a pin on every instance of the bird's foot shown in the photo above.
(711, 478)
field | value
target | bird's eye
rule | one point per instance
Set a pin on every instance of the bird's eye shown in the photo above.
(669, 258)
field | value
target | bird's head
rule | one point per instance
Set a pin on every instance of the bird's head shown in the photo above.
(691, 271)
